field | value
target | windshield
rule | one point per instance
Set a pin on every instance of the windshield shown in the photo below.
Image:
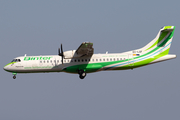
(16, 60)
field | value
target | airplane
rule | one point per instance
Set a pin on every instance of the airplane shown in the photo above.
(83, 60)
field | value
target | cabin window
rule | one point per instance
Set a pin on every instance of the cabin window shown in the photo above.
(107, 59)
(44, 61)
(75, 60)
(124, 58)
(82, 60)
(103, 59)
(110, 59)
(96, 59)
(64, 60)
(121, 58)
(86, 60)
(47, 61)
(99, 59)
(114, 59)
(78, 60)
(71, 60)
(40, 61)
(93, 60)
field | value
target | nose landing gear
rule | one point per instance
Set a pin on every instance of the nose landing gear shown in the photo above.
(14, 77)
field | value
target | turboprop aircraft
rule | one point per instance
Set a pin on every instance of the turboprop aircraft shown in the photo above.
(83, 60)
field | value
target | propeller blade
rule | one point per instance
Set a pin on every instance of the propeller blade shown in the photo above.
(62, 50)
(60, 53)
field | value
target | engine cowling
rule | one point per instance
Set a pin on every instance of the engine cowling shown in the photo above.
(70, 54)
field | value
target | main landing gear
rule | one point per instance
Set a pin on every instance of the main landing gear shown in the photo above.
(82, 74)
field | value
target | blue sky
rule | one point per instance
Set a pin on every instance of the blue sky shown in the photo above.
(38, 27)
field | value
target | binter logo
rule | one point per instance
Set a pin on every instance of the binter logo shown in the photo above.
(36, 58)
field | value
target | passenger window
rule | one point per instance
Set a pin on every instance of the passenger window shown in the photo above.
(40, 61)
(96, 59)
(117, 59)
(48, 61)
(110, 59)
(114, 59)
(44, 61)
(103, 59)
(86, 60)
(124, 58)
(51, 61)
(78, 60)
(107, 59)
(82, 60)
(75, 60)
(99, 59)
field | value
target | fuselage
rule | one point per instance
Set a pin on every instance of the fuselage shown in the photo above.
(53, 63)
(97, 62)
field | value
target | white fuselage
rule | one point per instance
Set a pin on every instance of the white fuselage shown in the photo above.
(52, 63)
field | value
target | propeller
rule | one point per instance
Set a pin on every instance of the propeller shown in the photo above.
(61, 53)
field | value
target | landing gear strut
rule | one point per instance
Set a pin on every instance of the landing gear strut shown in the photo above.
(82, 74)
(14, 77)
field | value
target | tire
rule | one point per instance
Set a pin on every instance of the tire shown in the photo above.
(82, 74)
(14, 77)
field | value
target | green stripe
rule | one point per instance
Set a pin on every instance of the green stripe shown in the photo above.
(9, 64)
(167, 27)
(162, 36)
(145, 62)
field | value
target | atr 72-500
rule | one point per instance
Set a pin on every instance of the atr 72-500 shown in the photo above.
(83, 60)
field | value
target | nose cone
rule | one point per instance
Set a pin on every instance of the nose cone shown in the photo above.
(5, 68)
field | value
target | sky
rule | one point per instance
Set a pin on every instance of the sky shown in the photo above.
(38, 27)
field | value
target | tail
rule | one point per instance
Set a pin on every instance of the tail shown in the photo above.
(157, 50)
(162, 40)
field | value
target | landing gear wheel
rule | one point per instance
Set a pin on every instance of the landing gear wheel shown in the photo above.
(14, 77)
(82, 74)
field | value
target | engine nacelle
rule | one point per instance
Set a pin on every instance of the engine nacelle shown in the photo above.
(70, 54)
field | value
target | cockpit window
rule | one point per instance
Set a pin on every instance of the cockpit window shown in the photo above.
(16, 60)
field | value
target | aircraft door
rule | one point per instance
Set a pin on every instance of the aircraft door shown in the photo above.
(130, 60)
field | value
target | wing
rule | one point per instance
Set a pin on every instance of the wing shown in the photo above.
(85, 49)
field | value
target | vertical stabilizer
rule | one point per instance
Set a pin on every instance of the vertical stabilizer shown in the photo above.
(163, 38)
